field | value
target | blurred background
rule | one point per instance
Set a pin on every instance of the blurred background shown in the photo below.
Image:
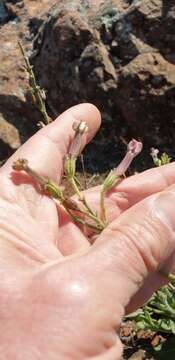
(117, 54)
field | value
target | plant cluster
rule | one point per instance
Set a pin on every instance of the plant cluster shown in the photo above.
(159, 313)
(80, 211)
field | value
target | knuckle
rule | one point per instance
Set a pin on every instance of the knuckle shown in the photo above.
(141, 246)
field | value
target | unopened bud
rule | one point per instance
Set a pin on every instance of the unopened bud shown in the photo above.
(70, 167)
(110, 181)
(154, 154)
(20, 164)
(53, 190)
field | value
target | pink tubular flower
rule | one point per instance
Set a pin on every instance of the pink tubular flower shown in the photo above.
(154, 152)
(133, 149)
(80, 128)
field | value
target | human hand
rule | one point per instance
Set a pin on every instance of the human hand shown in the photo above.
(61, 297)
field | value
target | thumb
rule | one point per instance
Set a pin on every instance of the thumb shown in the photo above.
(135, 245)
(47, 148)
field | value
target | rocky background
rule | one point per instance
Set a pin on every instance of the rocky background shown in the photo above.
(117, 54)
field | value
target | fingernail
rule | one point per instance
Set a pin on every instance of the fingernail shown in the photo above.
(165, 208)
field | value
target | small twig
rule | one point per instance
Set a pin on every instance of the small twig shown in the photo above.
(38, 94)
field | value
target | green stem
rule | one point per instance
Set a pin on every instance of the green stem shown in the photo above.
(56, 193)
(88, 211)
(82, 222)
(102, 207)
(84, 173)
(75, 187)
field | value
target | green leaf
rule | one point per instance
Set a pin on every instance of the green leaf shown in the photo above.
(165, 159)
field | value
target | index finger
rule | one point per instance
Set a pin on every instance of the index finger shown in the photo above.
(133, 189)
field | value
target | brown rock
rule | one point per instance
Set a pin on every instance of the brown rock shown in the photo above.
(139, 355)
(117, 56)
(9, 138)
(13, 8)
(18, 117)
(146, 93)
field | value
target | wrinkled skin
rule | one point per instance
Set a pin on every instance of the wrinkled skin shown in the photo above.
(61, 297)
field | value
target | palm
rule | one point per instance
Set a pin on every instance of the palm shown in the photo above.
(33, 247)
(50, 283)
(42, 286)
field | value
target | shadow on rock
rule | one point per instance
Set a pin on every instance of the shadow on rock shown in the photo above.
(18, 121)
